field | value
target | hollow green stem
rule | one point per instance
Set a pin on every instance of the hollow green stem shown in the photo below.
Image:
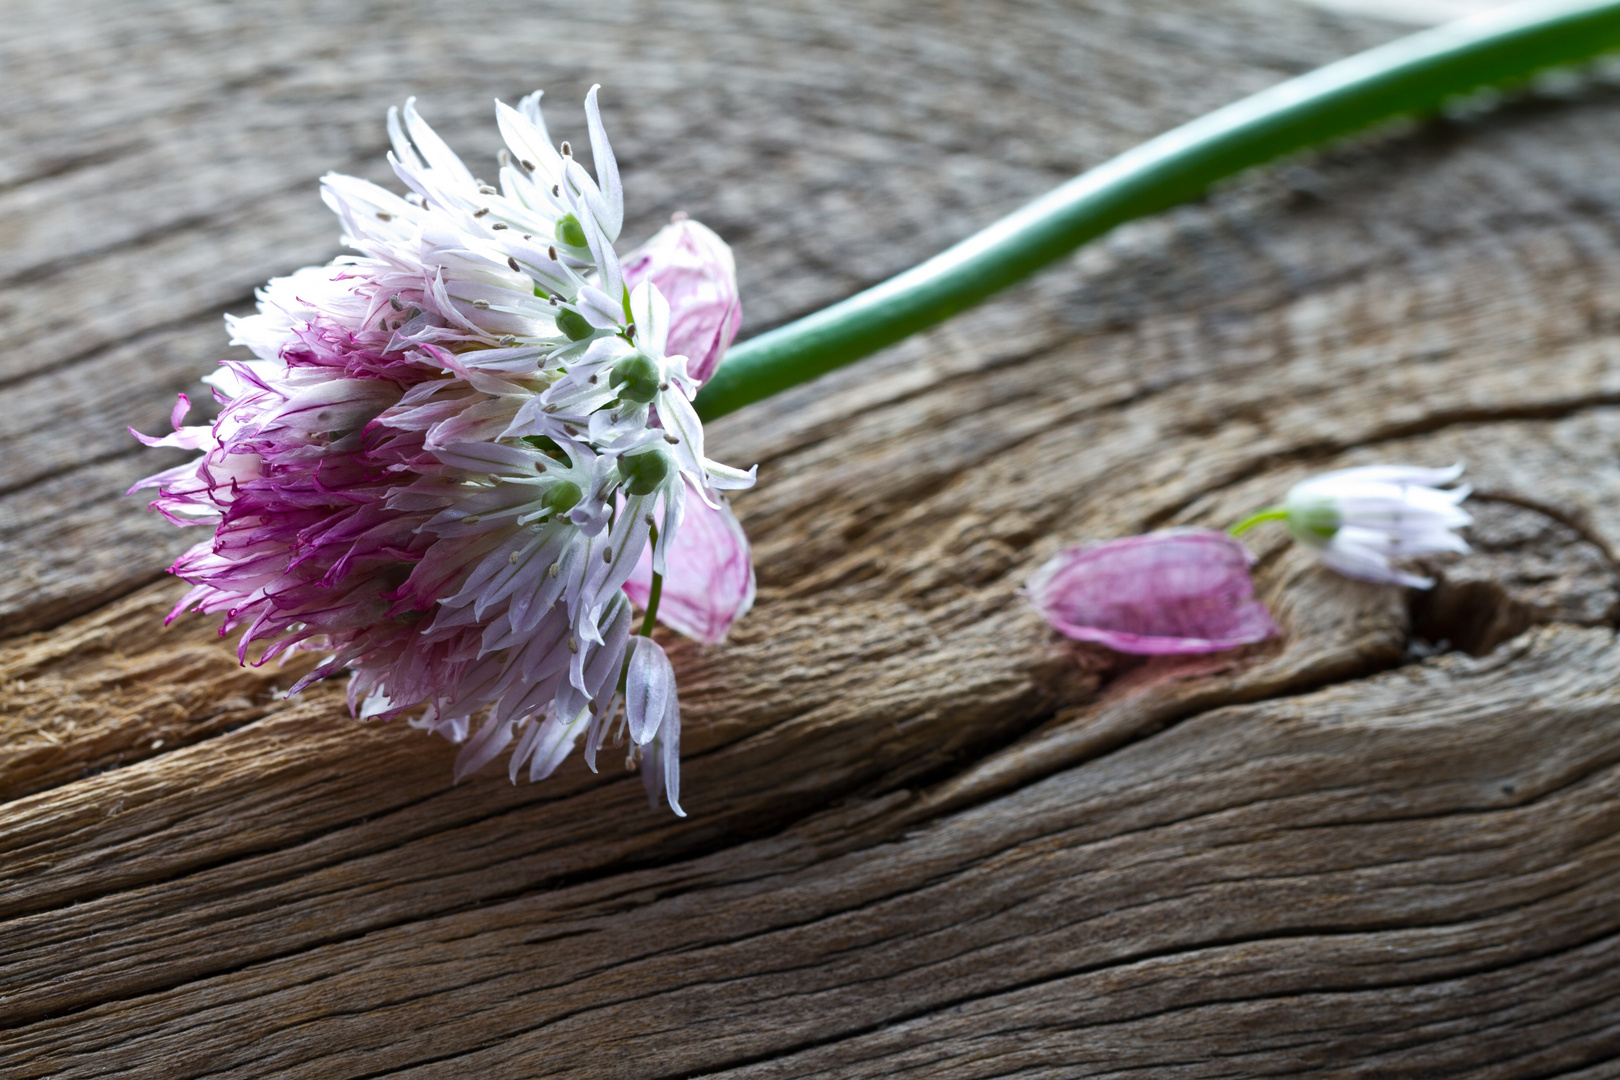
(1415, 74)
(1270, 513)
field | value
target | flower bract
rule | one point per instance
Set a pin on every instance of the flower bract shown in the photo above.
(1174, 591)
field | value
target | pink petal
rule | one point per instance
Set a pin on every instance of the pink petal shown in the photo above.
(694, 270)
(1176, 591)
(709, 582)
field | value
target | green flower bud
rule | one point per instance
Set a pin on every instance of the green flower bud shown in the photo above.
(546, 445)
(570, 231)
(574, 325)
(635, 378)
(644, 471)
(562, 497)
(1314, 522)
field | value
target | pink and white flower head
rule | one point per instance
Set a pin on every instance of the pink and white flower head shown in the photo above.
(1177, 591)
(1358, 520)
(452, 450)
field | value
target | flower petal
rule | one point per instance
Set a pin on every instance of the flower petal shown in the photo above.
(709, 578)
(694, 270)
(1176, 591)
(648, 687)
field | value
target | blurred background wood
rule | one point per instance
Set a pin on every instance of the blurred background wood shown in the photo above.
(927, 839)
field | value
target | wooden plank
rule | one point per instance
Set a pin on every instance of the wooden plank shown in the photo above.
(927, 837)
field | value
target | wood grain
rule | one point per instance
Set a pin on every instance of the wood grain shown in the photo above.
(927, 837)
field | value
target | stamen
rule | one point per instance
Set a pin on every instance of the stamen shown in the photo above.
(485, 189)
(481, 213)
(481, 305)
(384, 217)
(551, 252)
(672, 440)
(527, 164)
(567, 150)
(499, 225)
(393, 302)
(554, 569)
(513, 264)
(573, 644)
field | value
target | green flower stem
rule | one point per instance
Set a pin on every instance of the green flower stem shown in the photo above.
(1415, 74)
(1270, 513)
(653, 596)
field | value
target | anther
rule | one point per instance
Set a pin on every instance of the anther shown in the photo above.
(672, 440)
(394, 302)
(573, 644)
(630, 330)
(481, 305)
(513, 264)
(384, 217)
(567, 150)
(556, 190)
(554, 569)
(607, 555)
(513, 558)
(592, 380)
(485, 189)
(481, 212)
(649, 520)
(551, 252)
(526, 236)
(499, 225)
(663, 386)
(529, 165)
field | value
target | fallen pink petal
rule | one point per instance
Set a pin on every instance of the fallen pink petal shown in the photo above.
(708, 578)
(1179, 591)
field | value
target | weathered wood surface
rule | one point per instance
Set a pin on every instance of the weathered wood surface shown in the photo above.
(926, 838)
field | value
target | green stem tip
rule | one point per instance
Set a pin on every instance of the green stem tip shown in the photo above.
(1270, 513)
(1413, 75)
